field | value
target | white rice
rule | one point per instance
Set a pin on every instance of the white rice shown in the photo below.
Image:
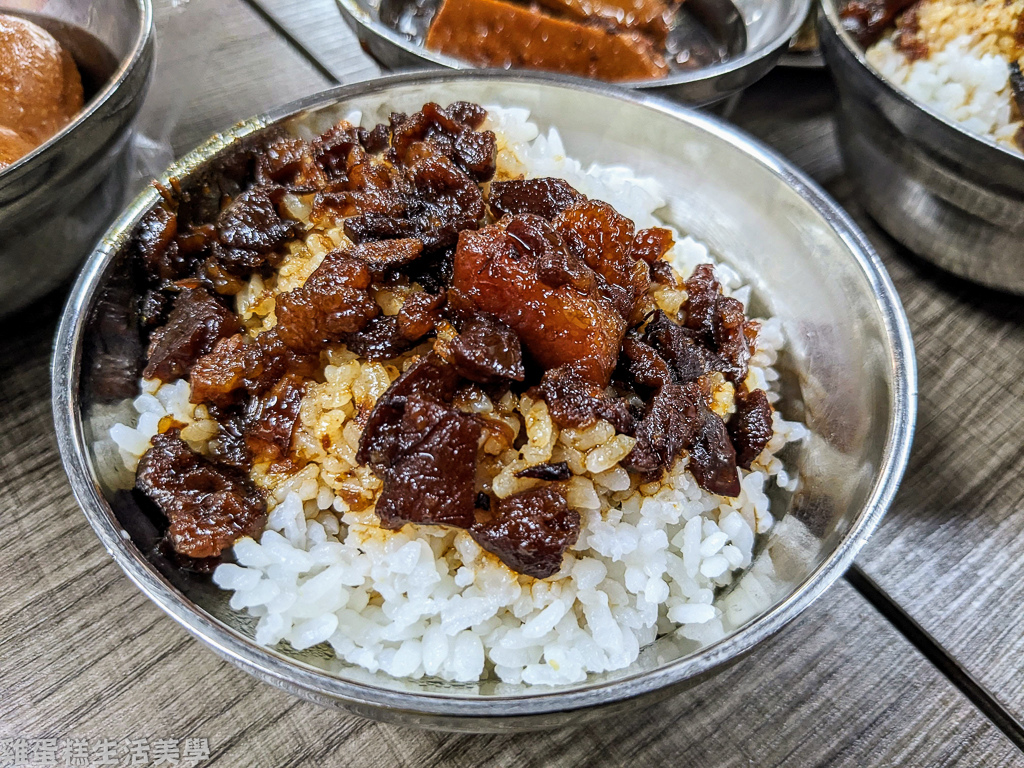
(427, 601)
(960, 81)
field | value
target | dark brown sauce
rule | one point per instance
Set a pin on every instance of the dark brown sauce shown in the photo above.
(96, 63)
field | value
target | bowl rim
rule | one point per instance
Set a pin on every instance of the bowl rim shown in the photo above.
(351, 10)
(830, 16)
(143, 36)
(296, 676)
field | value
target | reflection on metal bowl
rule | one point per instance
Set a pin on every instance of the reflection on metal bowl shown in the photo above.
(947, 194)
(392, 31)
(804, 50)
(57, 200)
(849, 373)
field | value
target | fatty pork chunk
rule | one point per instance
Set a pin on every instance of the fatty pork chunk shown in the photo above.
(521, 272)
(209, 506)
(603, 238)
(593, 232)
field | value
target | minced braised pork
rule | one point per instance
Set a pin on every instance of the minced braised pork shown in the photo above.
(250, 228)
(420, 314)
(430, 477)
(197, 322)
(333, 302)
(575, 402)
(548, 296)
(380, 340)
(719, 322)
(429, 375)
(867, 20)
(423, 448)
(545, 197)
(686, 357)
(487, 351)
(712, 456)
(386, 255)
(750, 428)
(669, 427)
(529, 531)
(550, 470)
(273, 417)
(209, 506)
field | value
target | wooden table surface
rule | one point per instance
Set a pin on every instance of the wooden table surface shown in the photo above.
(912, 659)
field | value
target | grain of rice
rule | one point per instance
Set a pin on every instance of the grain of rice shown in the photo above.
(965, 72)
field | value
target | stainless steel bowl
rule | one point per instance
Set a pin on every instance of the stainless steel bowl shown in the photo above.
(848, 371)
(805, 57)
(954, 197)
(57, 200)
(769, 26)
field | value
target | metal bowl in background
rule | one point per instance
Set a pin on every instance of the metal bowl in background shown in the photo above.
(949, 195)
(57, 200)
(804, 50)
(848, 371)
(755, 32)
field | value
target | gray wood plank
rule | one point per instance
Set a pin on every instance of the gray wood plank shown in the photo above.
(318, 26)
(205, 79)
(951, 551)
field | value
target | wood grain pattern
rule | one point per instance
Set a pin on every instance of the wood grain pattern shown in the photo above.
(217, 63)
(951, 551)
(318, 26)
(83, 653)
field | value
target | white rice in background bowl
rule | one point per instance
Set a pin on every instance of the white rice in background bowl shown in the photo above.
(654, 560)
(965, 75)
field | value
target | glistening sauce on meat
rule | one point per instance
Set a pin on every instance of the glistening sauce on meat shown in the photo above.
(469, 289)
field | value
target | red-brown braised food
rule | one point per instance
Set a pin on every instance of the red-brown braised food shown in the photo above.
(521, 285)
(40, 87)
(495, 33)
